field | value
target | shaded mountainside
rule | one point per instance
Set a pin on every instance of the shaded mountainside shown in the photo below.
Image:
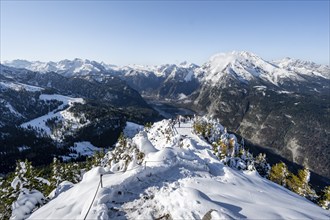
(294, 126)
(40, 111)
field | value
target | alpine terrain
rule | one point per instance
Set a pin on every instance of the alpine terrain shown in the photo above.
(82, 139)
(171, 172)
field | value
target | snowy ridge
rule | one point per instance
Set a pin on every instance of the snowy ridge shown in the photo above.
(304, 67)
(242, 65)
(65, 67)
(179, 178)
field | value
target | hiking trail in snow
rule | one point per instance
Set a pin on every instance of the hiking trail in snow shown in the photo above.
(180, 178)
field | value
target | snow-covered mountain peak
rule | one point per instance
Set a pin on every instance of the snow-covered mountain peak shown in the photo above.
(221, 61)
(241, 65)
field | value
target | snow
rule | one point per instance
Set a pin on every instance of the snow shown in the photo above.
(83, 148)
(283, 92)
(20, 86)
(304, 67)
(131, 129)
(143, 143)
(26, 202)
(62, 187)
(23, 148)
(260, 87)
(65, 67)
(244, 66)
(64, 115)
(13, 110)
(181, 96)
(189, 76)
(181, 179)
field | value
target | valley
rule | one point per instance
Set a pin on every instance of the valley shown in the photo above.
(281, 105)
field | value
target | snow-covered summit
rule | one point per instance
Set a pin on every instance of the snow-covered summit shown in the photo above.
(244, 66)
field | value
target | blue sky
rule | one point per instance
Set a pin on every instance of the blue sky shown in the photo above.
(146, 32)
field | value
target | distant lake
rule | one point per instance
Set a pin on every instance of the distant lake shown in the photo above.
(169, 111)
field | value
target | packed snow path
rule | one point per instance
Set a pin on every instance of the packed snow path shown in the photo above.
(179, 179)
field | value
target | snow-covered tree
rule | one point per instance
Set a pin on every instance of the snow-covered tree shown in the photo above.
(20, 195)
(261, 165)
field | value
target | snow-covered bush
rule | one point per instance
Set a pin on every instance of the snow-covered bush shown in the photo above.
(226, 146)
(125, 152)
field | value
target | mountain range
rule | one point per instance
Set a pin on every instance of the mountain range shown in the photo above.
(282, 106)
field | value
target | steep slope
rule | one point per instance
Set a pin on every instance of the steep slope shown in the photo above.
(286, 111)
(178, 178)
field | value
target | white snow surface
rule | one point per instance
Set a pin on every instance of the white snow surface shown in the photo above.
(84, 148)
(26, 202)
(60, 113)
(131, 129)
(180, 178)
(20, 86)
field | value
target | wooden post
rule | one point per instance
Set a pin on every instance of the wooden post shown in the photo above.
(101, 180)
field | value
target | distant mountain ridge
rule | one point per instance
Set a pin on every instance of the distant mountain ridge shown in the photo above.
(282, 105)
(221, 62)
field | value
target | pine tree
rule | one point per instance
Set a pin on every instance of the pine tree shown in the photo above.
(99, 155)
(56, 177)
(294, 183)
(7, 196)
(306, 189)
(279, 173)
